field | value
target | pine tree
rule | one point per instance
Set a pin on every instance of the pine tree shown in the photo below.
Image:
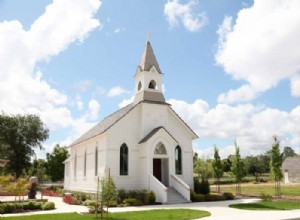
(217, 167)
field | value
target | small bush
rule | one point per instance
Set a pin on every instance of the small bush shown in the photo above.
(133, 202)
(132, 193)
(151, 198)
(71, 200)
(89, 203)
(204, 187)
(6, 208)
(196, 197)
(228, 196)
(49, 206)
(214, 197)
(122, 195)
(265, 197)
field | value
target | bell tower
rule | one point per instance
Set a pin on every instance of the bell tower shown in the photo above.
(148, 78)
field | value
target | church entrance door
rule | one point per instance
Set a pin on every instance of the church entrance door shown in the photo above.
(161, 170)
(157, 168)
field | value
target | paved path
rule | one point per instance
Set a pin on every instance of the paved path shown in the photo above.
(218, 210)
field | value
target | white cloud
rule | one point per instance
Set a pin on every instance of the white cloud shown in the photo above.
(252, 126)
(261, 47)
(83, 85)
(116, 91)
(244, 93)
(118, 30)
(185, 13)
(126, 102)
(100, 90)
(94, 108)
(22, 88)
(79, 103)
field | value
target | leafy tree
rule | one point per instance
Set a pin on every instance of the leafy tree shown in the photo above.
(288, 152)
(238, 169)
(275, 166)
(217, 167)
(254, 166)
(55, 167)
(195, 157)
(107, 193)
(227, 163)
(19, 135)
(204, 169)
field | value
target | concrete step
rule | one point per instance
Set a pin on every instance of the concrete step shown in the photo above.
(174, 197)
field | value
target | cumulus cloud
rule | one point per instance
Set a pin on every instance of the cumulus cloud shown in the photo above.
(125, 102)
(83, 85)
(94, 108)
(252, 126)
(185, 14)
(261, 47)
(22, 87)
(116, 91)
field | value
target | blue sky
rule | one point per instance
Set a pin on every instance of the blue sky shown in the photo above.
(231, 68)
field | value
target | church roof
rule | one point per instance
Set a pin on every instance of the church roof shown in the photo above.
(149, 59)
(105, 124)
(153, 132)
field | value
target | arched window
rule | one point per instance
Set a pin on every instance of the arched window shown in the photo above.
(96, 161)
(178, 161)
(123, 160)
(75, 165)
(84, 164)
(160, 149)
(152, 85)
(139, 86)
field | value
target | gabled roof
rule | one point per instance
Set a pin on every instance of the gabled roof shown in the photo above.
(153, 132)
(106, 123)
(149, 59)
(291, 163)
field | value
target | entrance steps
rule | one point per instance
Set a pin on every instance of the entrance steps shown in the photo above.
(174, 197)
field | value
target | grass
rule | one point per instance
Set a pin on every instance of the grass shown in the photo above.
(257, 189)
(160, 214)
(270, 205)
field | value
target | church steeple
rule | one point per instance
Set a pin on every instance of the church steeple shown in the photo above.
(148, 78)
(148, 59)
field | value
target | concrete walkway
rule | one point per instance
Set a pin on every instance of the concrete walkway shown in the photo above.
(218, 210)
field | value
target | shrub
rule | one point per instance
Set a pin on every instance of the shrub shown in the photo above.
(196, 185)
(196, 197)
(204, 187)
(122, 195)
(49, 206)
(133, 202)
(142, 195)
(132, 193)
(71, 200)
(6, 208)
(89, 203)
(265, 197)
(32, 205)
(228, 196)
(214, 197)
(151, 198)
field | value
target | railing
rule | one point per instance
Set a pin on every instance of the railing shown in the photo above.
(161, 192)
(181, 187)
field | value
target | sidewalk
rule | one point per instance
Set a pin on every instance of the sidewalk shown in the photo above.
(218, 210)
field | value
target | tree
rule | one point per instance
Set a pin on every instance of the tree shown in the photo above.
(254, 166)
(238, 169)
(227, 163)
(55, 167)
(288, 152)
(204, 169)
(20, 134)
(107, 193)
(217, 167)
(275, 166)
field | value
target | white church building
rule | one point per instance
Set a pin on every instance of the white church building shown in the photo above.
(144, 145)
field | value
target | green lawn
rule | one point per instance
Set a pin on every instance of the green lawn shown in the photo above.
(161, 214)
(257, 189)
(270, 205)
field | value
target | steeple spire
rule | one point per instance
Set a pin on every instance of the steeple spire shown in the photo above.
(148, 78)
(148, 59)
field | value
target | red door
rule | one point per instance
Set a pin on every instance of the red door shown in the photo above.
(157, 168)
